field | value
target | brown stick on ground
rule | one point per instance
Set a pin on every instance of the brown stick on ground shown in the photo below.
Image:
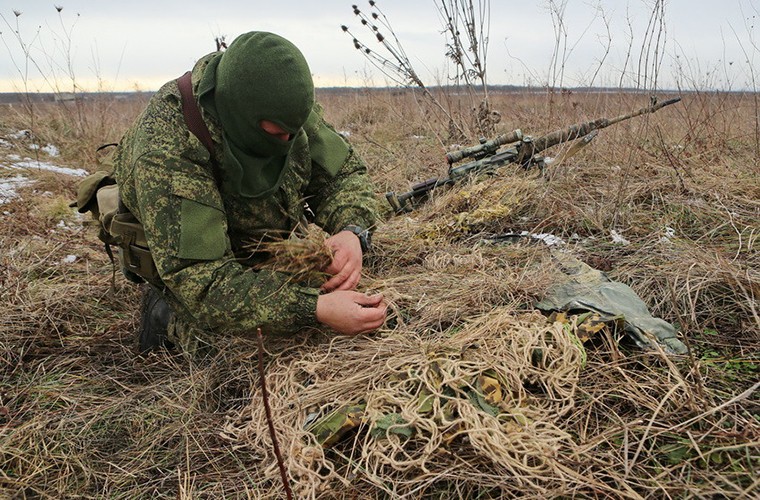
(270, 423)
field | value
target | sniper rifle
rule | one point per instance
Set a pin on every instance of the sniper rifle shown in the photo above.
(522, 150)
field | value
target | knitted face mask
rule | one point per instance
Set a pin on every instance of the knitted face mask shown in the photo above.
(261, 76)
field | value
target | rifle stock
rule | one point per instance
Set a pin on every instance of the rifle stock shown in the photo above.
(523, 151)
(404, 202)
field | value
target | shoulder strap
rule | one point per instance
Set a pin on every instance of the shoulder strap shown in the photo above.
(193, 115)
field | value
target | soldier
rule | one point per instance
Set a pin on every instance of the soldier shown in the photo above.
(203, 209)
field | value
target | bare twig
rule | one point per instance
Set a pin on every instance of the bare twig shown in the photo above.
(270, 422)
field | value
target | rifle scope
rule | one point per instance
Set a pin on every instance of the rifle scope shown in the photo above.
(484, 148)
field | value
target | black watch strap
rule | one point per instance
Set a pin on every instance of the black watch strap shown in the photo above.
(365, 239)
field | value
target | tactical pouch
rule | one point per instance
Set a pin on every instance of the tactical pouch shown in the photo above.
(99, 195)
(134, 254)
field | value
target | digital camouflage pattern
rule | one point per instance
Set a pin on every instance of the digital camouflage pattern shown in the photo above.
(203, 237)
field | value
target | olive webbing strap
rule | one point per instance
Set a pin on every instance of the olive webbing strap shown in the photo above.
(192, 113)
(109, 252)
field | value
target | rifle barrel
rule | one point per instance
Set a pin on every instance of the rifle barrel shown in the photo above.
(642, 111)
(580, 129)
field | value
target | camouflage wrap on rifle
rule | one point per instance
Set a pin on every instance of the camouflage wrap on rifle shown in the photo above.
(203, 237)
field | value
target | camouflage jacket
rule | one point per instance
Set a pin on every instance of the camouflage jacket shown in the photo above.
(201, 236)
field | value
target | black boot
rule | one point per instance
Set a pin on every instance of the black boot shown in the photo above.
(154, 320)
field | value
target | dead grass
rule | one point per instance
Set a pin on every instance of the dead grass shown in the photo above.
(82, 416)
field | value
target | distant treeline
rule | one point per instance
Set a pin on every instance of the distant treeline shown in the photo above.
(19, 97)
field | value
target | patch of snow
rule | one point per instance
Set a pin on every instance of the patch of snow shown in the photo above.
(51, 150)
(14, 157)
(69, 259)
(29, 164)
(547, 238)
(618, 239)
(68, 226)
(21, 134)
(418, 137)
(669, 233)
(9, 186)
(5, 143)
(345, 133)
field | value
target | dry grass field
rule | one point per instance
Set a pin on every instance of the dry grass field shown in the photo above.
(668, 203)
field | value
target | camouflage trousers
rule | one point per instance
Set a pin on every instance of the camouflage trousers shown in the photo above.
(195, 343)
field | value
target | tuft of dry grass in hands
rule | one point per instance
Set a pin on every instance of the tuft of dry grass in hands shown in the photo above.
(303, 256)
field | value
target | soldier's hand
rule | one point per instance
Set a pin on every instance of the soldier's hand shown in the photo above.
(346, 266)
(351, 312)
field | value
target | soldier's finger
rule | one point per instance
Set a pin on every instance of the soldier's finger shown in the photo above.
(334, 282)
(371, 315)
(337, 264)
(374, 324)
(351, 282)
(365, 300)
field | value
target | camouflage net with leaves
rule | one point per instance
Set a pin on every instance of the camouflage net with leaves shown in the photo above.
(490, 392)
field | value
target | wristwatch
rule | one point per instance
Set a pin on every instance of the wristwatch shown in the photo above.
(365, 239)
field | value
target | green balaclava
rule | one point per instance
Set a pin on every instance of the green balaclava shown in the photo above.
(261, 76)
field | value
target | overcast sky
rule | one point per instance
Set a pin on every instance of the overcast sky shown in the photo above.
(139, 44)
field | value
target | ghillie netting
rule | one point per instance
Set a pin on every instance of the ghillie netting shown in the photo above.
(407, 408)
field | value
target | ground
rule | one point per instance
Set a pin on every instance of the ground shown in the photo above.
(666, 203)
